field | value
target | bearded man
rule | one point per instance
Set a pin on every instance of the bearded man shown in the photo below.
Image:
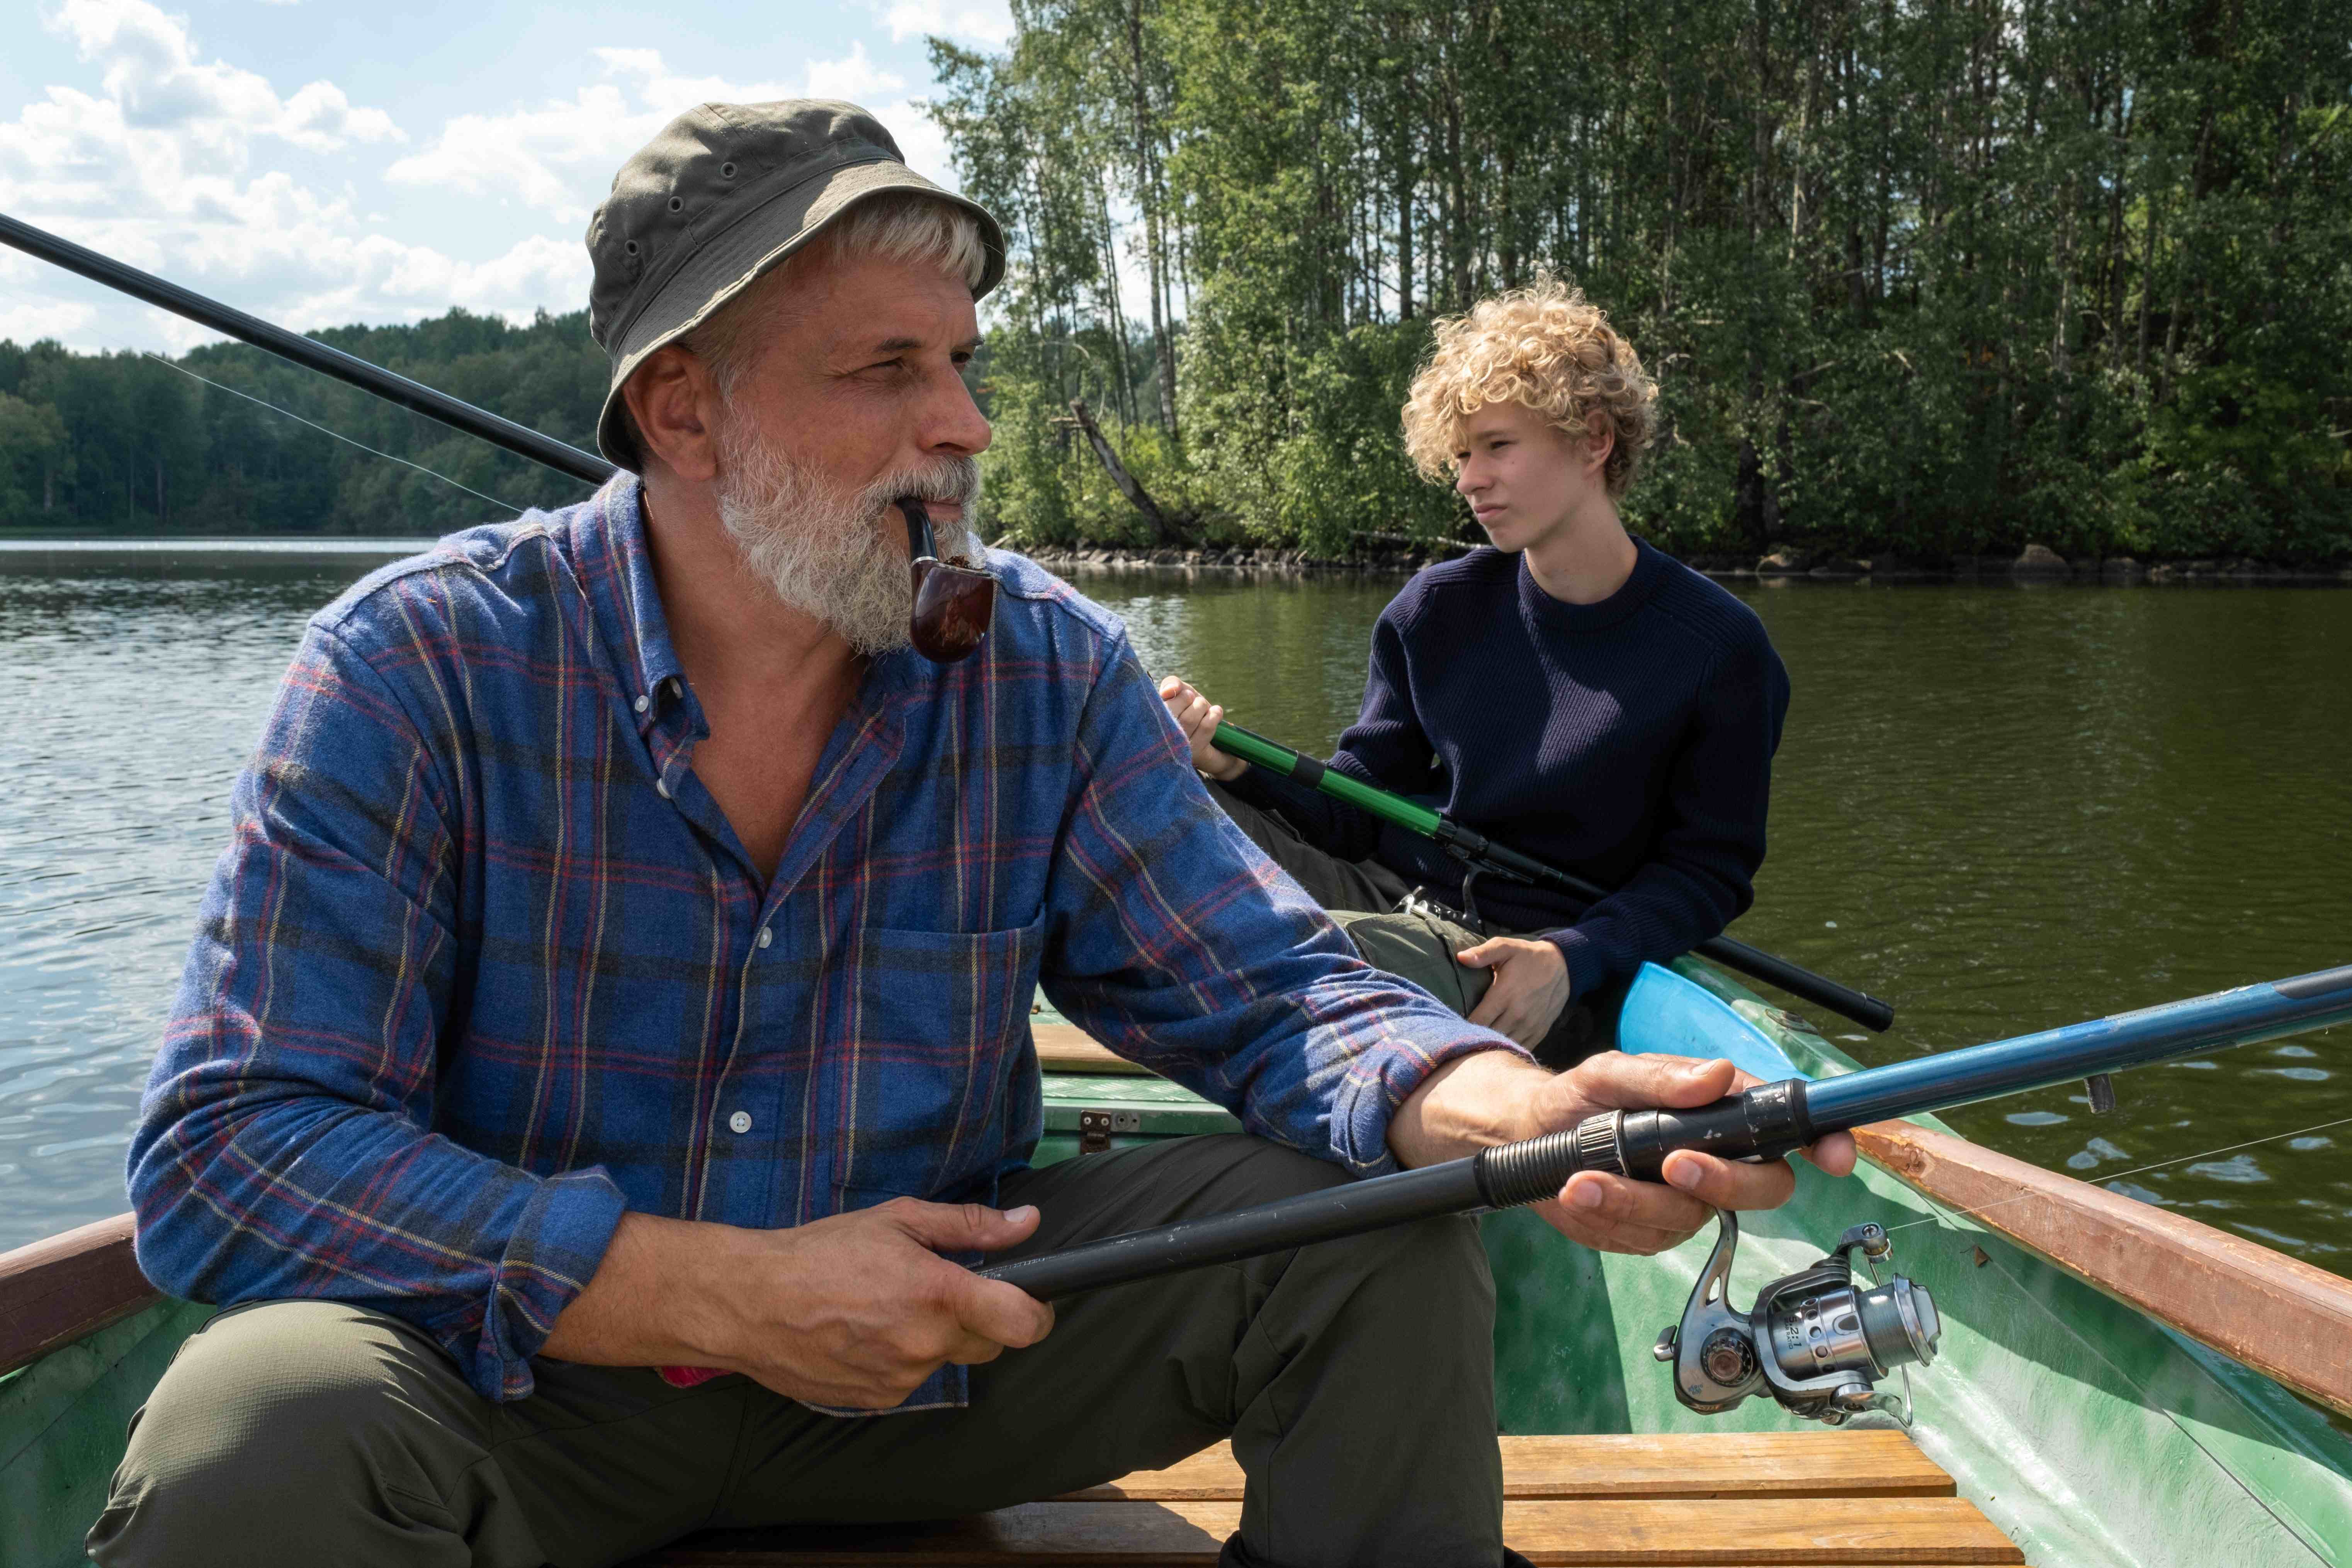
(623, 960)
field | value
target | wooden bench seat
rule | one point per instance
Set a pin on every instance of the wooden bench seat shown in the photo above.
(1737, 1500)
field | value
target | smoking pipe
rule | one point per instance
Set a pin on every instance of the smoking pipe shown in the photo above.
(954, 600)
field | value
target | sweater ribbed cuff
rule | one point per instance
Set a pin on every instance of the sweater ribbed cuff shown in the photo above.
(1588, 966)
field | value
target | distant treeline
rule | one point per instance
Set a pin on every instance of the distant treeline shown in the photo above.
(1931, 278)
(1938, 278)
(123, 443)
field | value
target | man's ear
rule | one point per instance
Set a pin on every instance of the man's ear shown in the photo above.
(676, 405)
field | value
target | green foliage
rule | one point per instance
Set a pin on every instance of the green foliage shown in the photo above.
(121, 442)
(1934, 278)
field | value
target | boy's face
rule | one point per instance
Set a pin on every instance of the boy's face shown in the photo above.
(1526, 482)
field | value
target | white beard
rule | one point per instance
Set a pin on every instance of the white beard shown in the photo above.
(822, 548)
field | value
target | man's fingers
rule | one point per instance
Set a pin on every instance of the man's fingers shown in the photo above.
(999, 1313)
(1731, 1184)
(1482, 956)
(1832, 1155)
(1615, 1080)
(961, 1227)
(1621, 1217)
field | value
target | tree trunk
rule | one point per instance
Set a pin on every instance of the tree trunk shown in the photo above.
(1404, 244)
(1146, 193)
(1137, 496)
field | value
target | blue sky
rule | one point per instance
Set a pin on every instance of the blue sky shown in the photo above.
(328, 160)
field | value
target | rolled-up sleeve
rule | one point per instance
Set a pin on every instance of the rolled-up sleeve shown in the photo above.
(284, 1146)
(1176, 942)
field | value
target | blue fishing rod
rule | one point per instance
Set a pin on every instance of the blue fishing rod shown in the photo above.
(1816, 1341)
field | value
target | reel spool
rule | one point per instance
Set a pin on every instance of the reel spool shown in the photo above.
(1817, 1342)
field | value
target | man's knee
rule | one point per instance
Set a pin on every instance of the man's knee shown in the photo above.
(281, 1425)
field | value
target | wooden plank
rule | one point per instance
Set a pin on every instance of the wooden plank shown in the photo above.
(1605, 1532)
(2284, 1318)
(1065, 1047)
(1643, 1465)
(57, 1289)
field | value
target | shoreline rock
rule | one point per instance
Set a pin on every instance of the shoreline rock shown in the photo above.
(2038, 564)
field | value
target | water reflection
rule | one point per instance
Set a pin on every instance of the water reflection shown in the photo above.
(138, 680)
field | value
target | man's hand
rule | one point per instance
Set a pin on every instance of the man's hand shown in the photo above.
(1197, 718)
(1614, 1214)
(1529, 989)
(1497, 1097)
(854, 1311)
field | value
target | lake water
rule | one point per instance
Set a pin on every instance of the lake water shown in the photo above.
(2001, 808)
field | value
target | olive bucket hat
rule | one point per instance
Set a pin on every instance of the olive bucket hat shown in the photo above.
(724, 193)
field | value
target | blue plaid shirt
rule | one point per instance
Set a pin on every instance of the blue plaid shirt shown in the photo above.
(484, 965)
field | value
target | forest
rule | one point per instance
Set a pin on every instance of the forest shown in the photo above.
(136, 444)
(1918, 279)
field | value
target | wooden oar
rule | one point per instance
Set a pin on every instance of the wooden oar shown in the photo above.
(1479, 851)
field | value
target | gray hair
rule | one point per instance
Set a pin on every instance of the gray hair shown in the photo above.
(902, 225)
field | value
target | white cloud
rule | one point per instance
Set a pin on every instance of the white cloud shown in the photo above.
(196, 168)
(989, 23)
(30, 323)
(156, 83)
(559, 157)
(162, 167)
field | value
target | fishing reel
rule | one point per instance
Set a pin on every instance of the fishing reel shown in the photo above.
(1817, 1341)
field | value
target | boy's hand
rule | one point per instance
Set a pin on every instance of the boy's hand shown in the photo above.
(1528, 990)
(1197, 718)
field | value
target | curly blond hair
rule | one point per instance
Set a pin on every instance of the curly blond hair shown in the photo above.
(1545, 347)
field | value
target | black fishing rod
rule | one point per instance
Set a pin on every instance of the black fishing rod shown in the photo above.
(308, 352)
(1476, 850)
(1721, 1355)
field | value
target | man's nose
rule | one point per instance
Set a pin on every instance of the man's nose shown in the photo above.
(952, 424)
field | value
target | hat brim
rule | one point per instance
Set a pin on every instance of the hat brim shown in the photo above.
(732, 260)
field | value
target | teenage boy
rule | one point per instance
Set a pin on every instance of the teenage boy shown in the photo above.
(1569, 691)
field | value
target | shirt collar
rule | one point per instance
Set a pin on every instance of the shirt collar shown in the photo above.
(629, 613)
(627, 598)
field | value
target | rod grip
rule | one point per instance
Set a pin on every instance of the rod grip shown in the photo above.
(1511, 1174)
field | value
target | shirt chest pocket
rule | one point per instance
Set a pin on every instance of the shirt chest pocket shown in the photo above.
(935, 1043)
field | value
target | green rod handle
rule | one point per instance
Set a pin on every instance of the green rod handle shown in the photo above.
(1754, 963)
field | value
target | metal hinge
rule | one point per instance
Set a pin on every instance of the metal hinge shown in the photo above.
(1096, 1127)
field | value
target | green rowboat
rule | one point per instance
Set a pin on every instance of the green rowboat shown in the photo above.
(2096, 1396)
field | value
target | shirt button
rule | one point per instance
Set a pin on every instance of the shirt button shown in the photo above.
(741, 1121)
(643, 703)
(767, 935)
(661, 788)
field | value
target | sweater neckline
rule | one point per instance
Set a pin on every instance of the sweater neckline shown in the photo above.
(1550, 614)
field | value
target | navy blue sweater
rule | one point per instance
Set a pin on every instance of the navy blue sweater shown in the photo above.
(1629, 741)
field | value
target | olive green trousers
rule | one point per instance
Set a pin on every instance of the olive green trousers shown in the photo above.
(1355, 1378)
(1370, 903)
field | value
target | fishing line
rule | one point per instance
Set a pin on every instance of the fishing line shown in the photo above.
(2119, 1175)
(338, 434)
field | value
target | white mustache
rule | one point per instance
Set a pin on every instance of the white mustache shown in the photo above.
(951, 480)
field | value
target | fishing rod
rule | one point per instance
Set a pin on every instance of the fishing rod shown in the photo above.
(1481, 853)
(308, 352)
(1816, 1342)
(952, 600)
